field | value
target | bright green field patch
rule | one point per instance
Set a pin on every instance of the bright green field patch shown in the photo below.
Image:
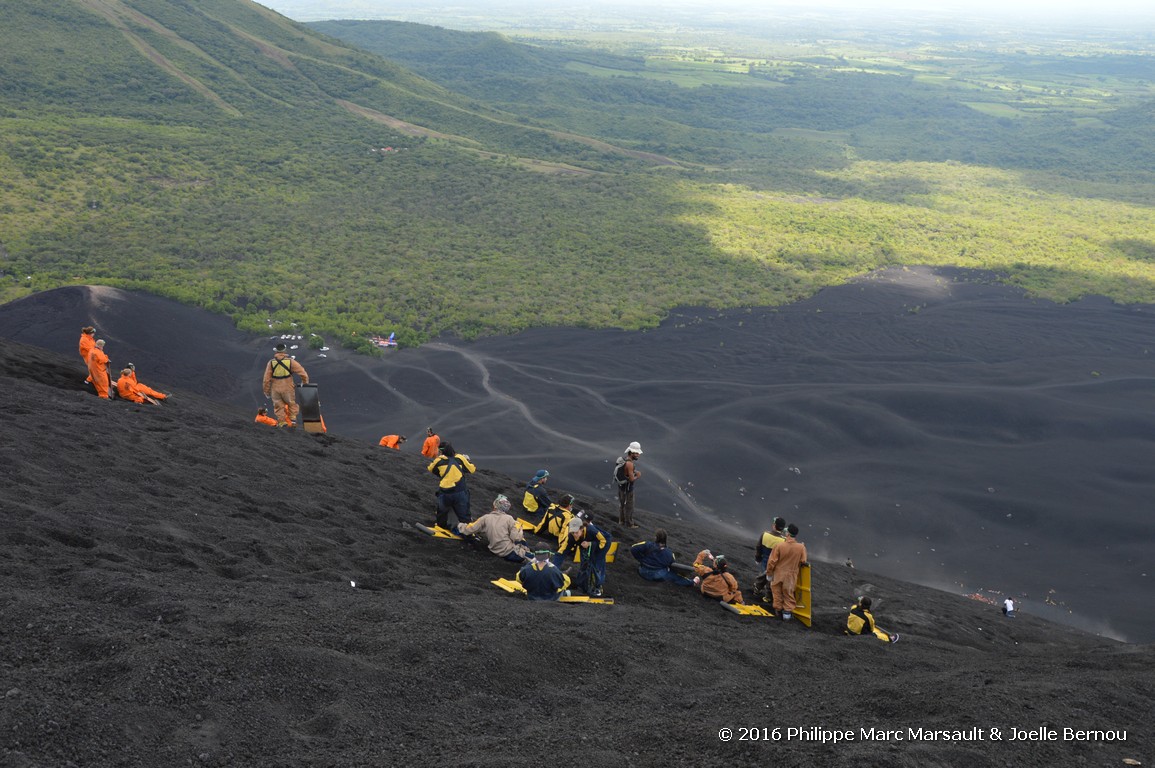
(994, 109)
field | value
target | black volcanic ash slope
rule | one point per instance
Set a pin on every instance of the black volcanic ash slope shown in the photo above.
(176, 591)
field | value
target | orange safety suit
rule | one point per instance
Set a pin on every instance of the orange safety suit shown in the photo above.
(87, 342)
(782, 570)
(98, 371)
(429, 448)
(391, 441)
(722, 586)
(263, 419)
(127, 390)
(144, 389)
(279, 387)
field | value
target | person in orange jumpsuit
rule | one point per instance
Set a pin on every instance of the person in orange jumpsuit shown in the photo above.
(720, 584)
(782, 569)
(128, 390)
(263, 417)
(98, 369)
(279, 387)
(144, 389)
(392, 441)
(429, 449)
(87, 342)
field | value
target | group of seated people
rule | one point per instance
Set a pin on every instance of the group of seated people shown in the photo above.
(712, 574)
(575, 534)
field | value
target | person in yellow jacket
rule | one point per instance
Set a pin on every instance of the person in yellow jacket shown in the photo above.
(263, 417)
(555, 520)
(278, 385)
(452, 490)
(861, 622)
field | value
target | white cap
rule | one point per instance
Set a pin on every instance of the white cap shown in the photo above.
(634, 447)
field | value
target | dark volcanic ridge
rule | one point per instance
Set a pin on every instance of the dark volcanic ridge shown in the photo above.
(933, 426)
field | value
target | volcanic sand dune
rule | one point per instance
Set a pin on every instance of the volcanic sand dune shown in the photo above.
(182, 586)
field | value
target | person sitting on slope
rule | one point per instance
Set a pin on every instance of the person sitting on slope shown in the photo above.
(542, 579)
(127, 390)
(144, 389)
(655, 561)
(861, 622)
(263, 417)
(535, 497)
(505, 538)
(555, 520)
(720, 584)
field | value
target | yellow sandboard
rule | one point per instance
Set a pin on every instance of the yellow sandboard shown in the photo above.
(509, 585)
(438, 532)
(802, 596)
(577, 558)
(514, 587)
(745, 610)
(525, 525)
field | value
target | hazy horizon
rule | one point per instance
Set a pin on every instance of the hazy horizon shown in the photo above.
(1054, 11)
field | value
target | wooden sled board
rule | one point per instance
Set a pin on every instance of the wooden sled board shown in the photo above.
(685, 568)
(803, 611)
(438, 532)
(745, 610)
(577, 558)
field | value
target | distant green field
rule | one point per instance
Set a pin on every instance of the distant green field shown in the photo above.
(432, 181)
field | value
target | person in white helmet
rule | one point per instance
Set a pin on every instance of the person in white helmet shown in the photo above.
(626, 474)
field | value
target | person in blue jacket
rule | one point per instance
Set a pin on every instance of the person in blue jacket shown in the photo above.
(595, 545)
(542, 579)
(655, 561)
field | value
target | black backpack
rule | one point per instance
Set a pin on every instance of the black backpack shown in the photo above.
(620, 478)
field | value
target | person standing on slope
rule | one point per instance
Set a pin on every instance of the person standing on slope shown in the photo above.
(87, 342)
(98, 369)
(278, 385)
(429, 448)
(595, 546)
(452, 490)
(762, 550)
(782, 569)
(625, 475)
